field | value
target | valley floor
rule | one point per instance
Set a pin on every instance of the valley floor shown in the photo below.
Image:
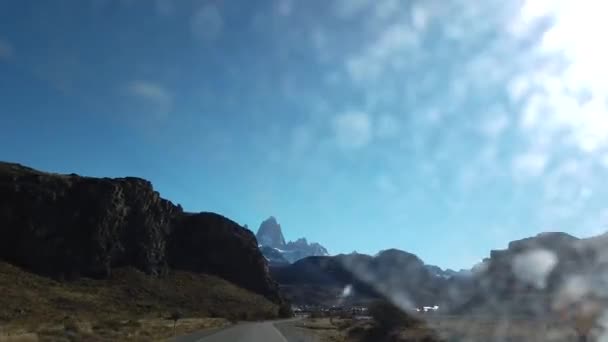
(448, 328)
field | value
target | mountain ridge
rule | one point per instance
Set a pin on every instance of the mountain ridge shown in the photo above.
(539, 275)
(68, 226)
(321, 280)
(533, 276)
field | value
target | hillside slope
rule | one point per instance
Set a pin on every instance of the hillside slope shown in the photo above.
(68, 226)
(548, 273)
(127, 302)
(394, 274)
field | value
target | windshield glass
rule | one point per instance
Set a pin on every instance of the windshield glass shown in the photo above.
(443, 160)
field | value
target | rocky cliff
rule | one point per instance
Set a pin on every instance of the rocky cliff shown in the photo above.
(273, 256)
(270, 233)
(271, 240)
(67, 226)
(213, 244)
(539, 275)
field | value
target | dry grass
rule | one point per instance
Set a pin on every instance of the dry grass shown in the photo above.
(29, 337)
(140, 330)
(448, 328)
(463, 328)
(325, 329)
(128, 306)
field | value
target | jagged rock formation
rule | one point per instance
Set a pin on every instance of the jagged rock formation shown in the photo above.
(270, 235)
(67, 226)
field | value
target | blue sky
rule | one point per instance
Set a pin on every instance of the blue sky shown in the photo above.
(436, 127)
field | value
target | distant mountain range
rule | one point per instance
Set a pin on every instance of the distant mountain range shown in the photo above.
(392, 273)
(536, 276)
(307, 273)
(447, 273)
(273, 246)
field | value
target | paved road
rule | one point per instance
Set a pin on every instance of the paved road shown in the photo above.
(244, 332)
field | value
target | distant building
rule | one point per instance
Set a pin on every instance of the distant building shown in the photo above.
(428, 308)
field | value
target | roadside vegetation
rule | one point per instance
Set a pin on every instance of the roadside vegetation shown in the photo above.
(128, 306)
(386, 324)
(389, 324)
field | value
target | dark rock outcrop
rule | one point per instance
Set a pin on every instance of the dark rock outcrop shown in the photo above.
(394, 274)
(213, 244)
(273, 256)
(68, 226)
(320, 280)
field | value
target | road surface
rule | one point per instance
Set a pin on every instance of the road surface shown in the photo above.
(244, 332)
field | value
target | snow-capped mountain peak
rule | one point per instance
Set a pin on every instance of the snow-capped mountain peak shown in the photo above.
(272, 244)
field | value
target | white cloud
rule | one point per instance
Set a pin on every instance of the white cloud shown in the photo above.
(348, 8)
(533, 267)
(568, 95)
(564, 188)
(352, 129)
(207, 23)
(420, 18)
(7, 50)
(387, 126)
(529, 164)
(284, 7)
(387, 51)
(433, 116)
(385, 184)
(518, 87)
(152, 94)
(384, 9)
(494, 126)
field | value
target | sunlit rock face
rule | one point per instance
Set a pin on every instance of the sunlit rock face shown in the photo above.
(272, 243)
(270, 234)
